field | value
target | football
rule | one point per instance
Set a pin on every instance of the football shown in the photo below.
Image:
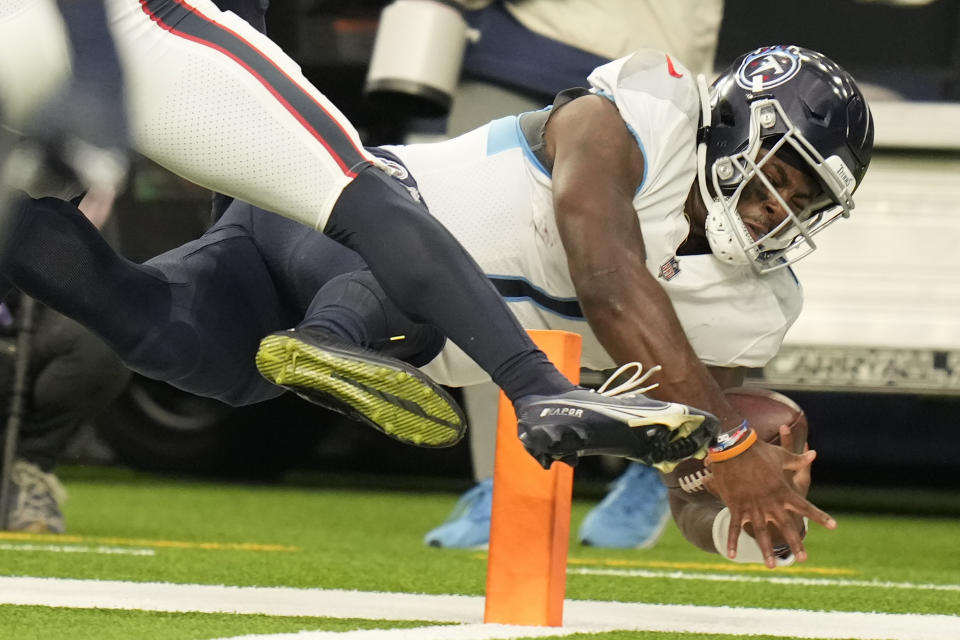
(765, 410)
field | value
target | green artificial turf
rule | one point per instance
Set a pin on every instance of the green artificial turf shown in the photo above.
(47, 623)
(371, 540)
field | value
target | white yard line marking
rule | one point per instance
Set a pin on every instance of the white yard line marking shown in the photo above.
(579, 615)
(783, 580)
(723, 566)
(77, 548)
(281, 601)
(446, 632)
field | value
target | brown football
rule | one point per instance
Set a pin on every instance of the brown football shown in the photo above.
(765, 410)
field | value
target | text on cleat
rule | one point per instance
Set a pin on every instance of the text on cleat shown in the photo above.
(562, 411)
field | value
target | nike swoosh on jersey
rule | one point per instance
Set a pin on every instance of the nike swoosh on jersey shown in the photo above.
(672, 70)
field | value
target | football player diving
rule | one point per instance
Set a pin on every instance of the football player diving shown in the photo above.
(653, 215)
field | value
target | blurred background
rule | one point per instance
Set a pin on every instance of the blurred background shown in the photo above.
(874, 360)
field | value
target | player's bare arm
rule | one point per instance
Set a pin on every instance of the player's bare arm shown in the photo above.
(597, 167)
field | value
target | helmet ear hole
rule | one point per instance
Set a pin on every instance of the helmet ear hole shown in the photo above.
(727, 117)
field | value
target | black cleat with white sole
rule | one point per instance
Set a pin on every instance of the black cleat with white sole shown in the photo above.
(582, 422)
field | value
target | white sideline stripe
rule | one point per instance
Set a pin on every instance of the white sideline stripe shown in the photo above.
(583, 615)
(77, 548)
(280, 601)
(446, 632)
(787, 580)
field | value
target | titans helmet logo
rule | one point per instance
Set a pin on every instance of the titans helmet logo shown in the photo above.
(767, 68)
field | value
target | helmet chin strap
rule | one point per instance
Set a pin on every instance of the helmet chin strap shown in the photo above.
(720, 236)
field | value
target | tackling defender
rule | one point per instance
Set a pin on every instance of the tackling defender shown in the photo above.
(180, 60)
(769, 173)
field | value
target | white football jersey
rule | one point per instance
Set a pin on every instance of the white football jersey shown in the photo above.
(491, 192)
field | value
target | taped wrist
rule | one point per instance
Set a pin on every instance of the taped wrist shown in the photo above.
(748, 551)
(732, 443)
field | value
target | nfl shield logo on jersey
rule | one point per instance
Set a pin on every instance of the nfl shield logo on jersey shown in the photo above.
(768, 67)
(670, 268)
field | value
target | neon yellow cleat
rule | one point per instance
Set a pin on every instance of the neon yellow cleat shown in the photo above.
(386, 393)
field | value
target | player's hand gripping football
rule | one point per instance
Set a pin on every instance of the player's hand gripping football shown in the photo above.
(756, 488)
(799, 480)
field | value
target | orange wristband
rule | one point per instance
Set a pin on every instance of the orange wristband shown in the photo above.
(735, 450)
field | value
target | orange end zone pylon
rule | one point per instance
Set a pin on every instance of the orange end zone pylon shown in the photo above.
(530, 524)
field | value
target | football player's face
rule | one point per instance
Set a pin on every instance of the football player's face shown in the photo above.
(760, 211)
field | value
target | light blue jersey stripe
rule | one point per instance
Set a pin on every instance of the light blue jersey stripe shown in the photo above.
(504, 134)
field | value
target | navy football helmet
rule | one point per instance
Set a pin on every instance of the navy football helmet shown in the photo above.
(796, 104)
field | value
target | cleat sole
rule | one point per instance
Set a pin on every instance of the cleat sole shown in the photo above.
(402, 404)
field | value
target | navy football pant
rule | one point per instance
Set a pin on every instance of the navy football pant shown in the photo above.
(195, 315)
